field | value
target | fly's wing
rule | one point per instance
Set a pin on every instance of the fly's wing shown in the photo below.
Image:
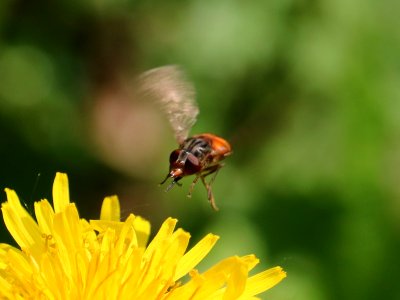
(169, 88)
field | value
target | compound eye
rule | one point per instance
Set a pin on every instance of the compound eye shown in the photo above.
(192, 165)
(174, 156)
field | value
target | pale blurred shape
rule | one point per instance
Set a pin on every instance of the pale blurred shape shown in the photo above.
(128, 134)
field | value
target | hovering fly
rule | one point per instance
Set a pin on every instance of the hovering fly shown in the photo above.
(198, 155)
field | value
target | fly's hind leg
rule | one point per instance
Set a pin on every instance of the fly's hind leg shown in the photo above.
(210, 194)
(213, 170)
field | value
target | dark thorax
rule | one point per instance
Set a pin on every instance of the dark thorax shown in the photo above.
(199, 147)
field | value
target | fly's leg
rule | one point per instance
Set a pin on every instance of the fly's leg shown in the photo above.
(214, 170)
(210, 195)
(204, 174)
(189, 195)
(219, 166)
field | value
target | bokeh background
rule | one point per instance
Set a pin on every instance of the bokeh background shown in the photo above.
(307, 92)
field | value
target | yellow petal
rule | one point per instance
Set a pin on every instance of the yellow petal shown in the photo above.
(165, 231)
(102, 225)
(60, 192)
(236, 282)
(44, 216)
(169, 252)
(110, 209)
(21, 225)
(126, 238)
(138, 224)
(6, 288)
(251, 260)
(211, 284)
(67, 230)
(188, 290)
(53, 276)
(195, 255)
(218, 275)
(263, 281)
(142, 228)
(20, 264)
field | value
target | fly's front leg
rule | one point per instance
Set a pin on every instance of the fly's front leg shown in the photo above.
(189, 195)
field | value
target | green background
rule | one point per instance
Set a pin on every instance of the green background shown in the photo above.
(307, 92)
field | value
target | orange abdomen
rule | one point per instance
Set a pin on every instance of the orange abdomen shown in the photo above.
(218, 144)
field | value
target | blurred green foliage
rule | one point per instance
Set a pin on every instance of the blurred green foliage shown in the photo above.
(307, 92)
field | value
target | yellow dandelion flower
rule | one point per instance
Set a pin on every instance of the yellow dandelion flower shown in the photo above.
(62, 256)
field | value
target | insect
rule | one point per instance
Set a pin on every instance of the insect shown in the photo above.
(199, 155)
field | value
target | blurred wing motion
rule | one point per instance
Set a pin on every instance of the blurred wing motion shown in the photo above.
(168, 87)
